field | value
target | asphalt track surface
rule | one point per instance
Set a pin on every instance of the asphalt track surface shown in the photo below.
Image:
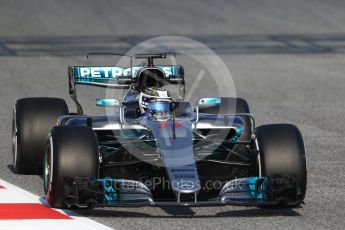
(286, 57)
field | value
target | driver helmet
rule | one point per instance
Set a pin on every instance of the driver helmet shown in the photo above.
(151, 95)
(160, 110)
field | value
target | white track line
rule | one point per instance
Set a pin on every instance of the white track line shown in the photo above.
(13, 194)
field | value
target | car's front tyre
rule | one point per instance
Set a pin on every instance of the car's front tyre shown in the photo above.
(71, 151)
(281, 151)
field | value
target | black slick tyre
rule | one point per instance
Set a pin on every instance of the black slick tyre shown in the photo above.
(32, 120)
(281, 150)
(71, 151)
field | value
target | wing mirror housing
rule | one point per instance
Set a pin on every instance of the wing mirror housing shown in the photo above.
(104, 102)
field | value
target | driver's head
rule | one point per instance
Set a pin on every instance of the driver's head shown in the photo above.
(150, 95)
(160, 110)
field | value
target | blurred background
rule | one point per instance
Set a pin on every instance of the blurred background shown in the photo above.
(286, 59)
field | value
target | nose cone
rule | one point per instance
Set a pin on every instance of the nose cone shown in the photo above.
(177, 154)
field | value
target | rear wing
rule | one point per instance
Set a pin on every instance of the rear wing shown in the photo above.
(113, 76)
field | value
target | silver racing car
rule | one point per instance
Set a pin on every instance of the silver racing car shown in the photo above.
(153, 149)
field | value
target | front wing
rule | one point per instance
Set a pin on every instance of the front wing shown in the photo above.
(252, 191)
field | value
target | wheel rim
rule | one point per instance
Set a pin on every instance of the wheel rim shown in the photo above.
(47, 168)
(14, 139)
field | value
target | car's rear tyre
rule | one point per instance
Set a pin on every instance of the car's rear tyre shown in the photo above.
(70, 151)
(281, 150)
(32, 120)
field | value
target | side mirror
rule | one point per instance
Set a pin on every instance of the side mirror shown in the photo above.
(103, 102)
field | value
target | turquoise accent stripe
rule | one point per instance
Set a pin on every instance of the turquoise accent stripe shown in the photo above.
(260, 194)
(209, 101)
(110, 194)
(103, 102)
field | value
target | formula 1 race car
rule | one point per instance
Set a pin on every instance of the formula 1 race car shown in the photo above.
(154, 150)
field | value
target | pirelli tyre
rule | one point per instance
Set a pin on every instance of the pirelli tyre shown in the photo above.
(70, 151)
(281, 151)
(32, 120)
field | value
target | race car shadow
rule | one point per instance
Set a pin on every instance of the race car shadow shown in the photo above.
(185, 212)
